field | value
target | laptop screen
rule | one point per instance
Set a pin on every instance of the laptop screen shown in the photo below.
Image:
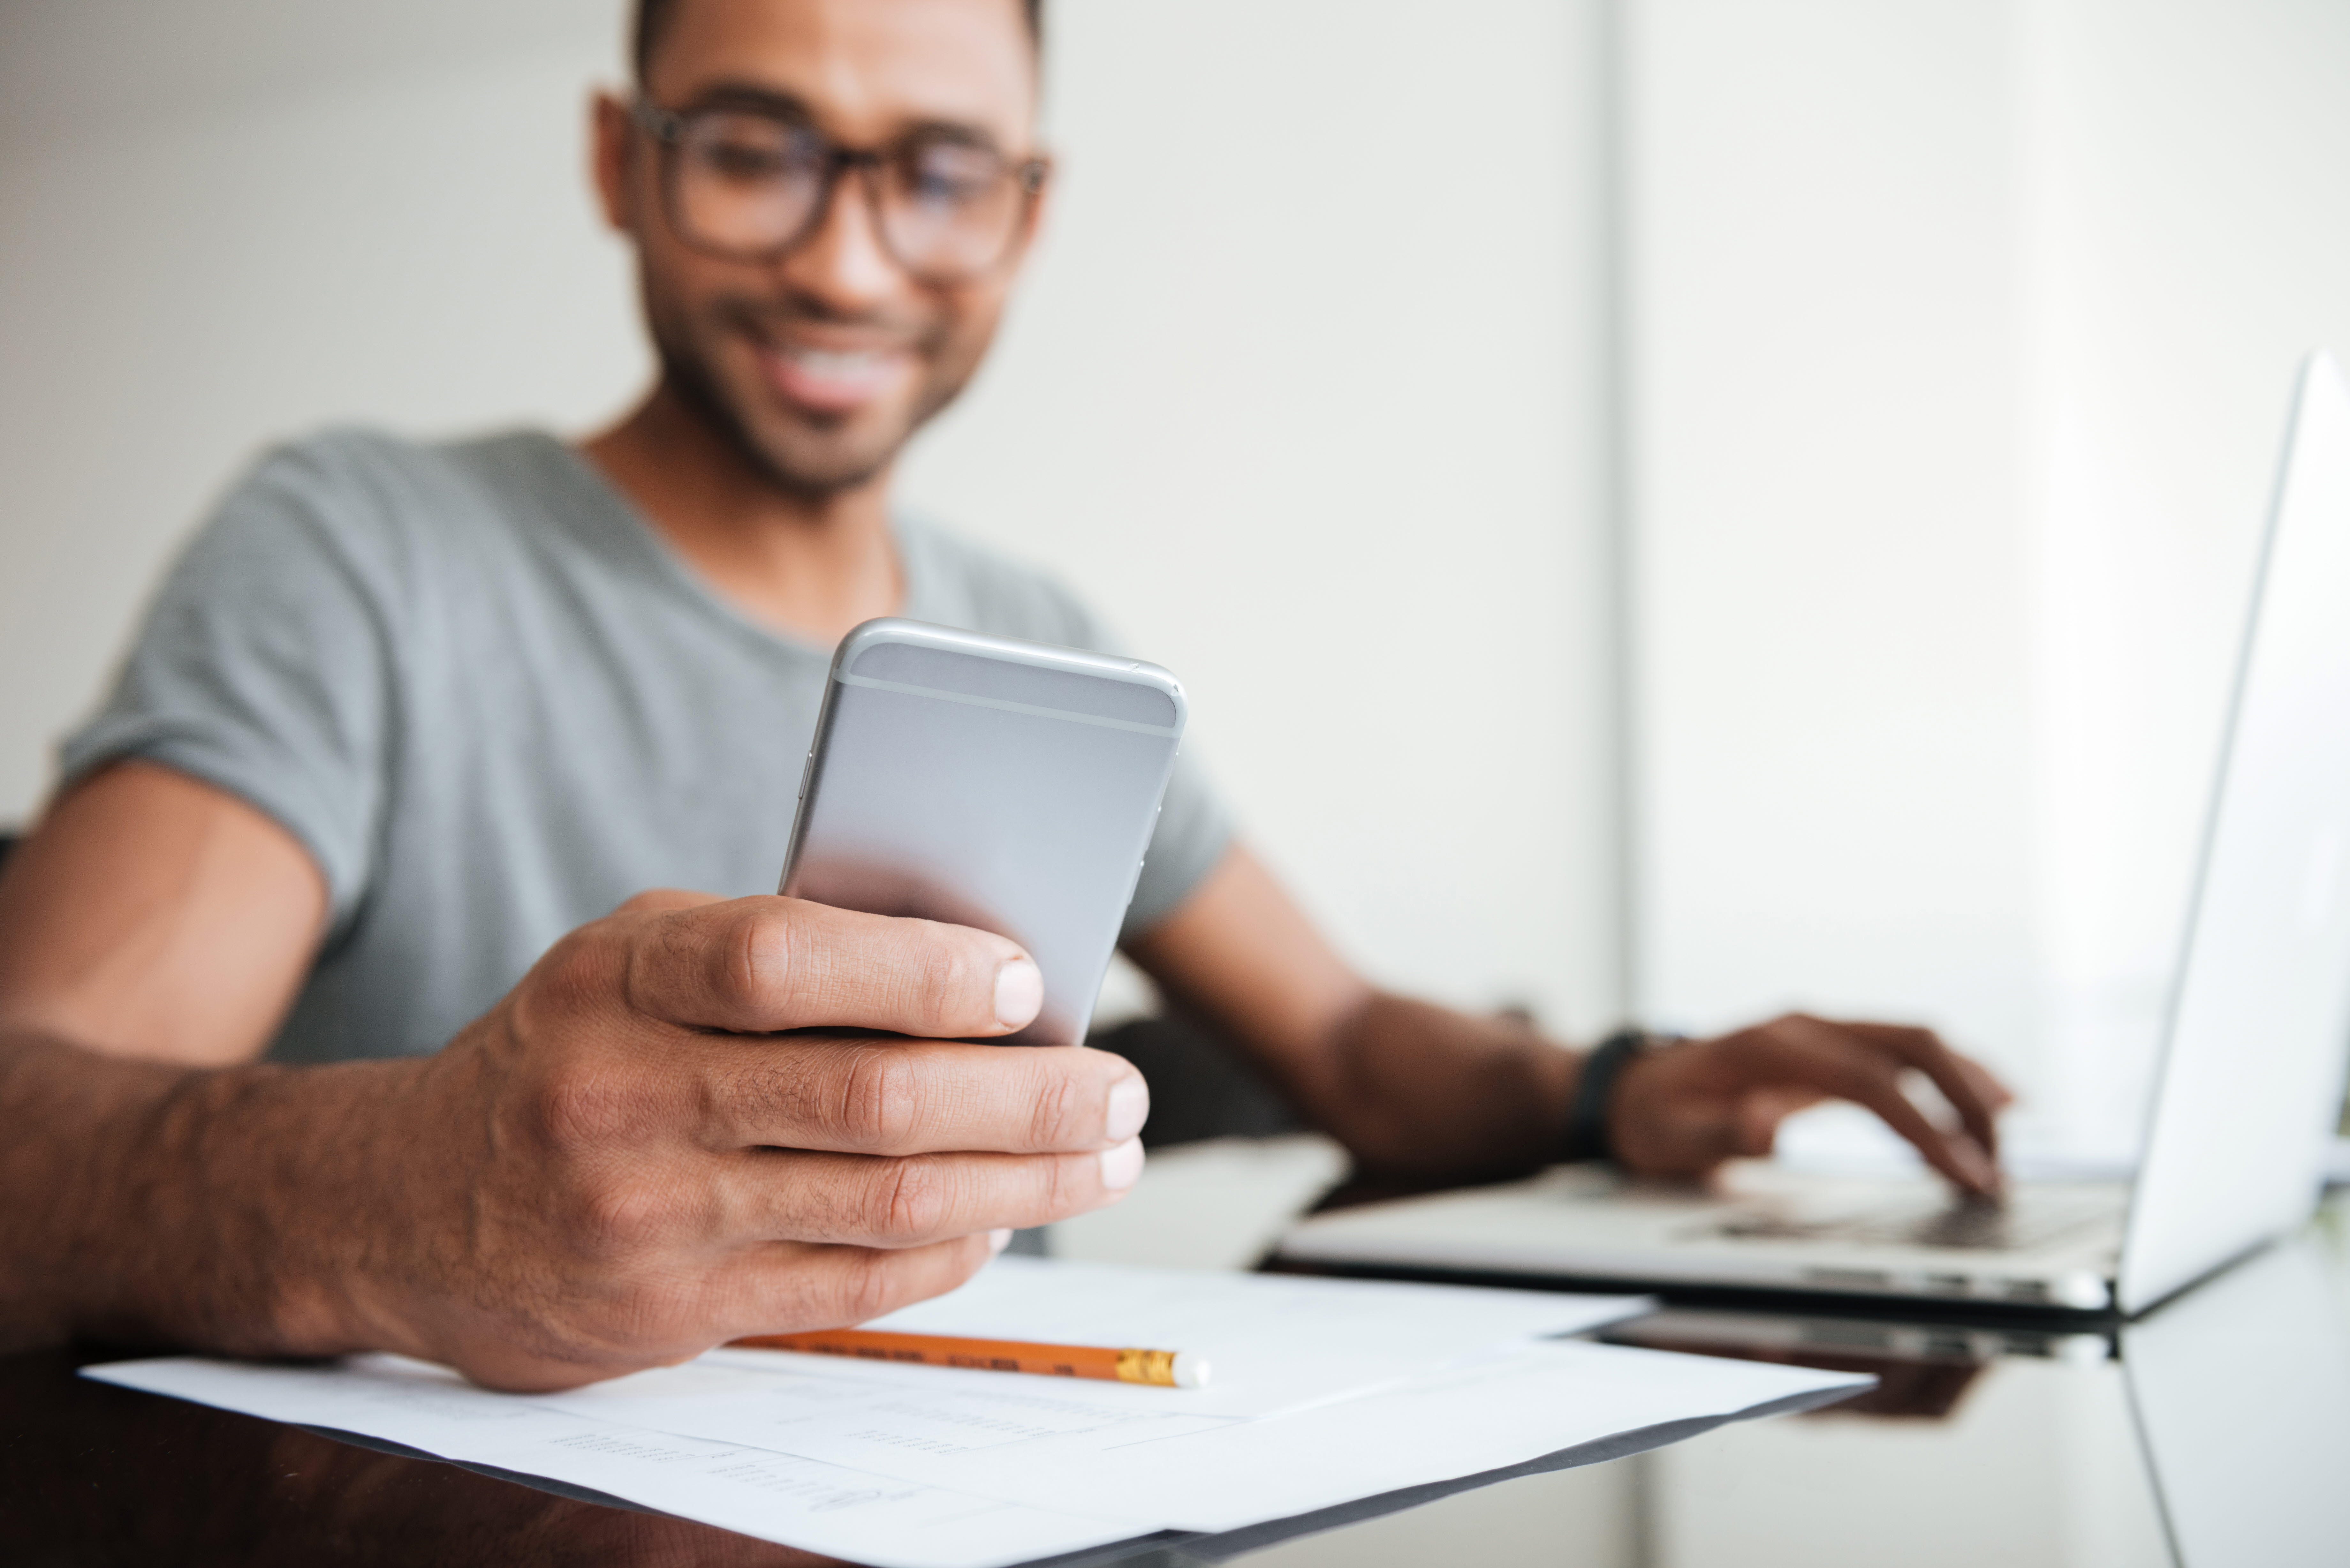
(2254, 1048)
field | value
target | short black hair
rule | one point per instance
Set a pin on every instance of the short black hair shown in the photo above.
(652, 16)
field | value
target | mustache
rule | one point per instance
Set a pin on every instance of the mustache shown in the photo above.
(768, 319)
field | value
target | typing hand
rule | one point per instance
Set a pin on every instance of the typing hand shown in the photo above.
(620, 1165)
(1685, 1109)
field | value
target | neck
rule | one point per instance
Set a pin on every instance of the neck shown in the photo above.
(807, 567)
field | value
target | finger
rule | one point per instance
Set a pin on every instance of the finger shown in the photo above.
(656, 900)
(1663, 1124)
(1685, 1140)
(1924, 1050)
(1995, 1093)
(787, 1288)
(1807, 1051)
(859, 1200)
(912, 1097)
(1760, 1112)
(771, 963)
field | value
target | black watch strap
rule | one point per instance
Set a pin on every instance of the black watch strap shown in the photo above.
(1595, 1096)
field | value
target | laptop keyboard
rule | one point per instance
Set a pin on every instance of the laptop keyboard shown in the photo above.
(1971, 1224)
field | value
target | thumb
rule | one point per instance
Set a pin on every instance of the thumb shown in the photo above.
(656, 900)
(1759, 1114)
(1686, 1137)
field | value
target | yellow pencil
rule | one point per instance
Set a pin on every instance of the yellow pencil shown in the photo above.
(1161, 1368)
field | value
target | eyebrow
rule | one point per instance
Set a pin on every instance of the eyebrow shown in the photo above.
(790, 106)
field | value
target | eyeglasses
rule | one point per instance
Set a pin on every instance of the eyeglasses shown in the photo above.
(752, 185)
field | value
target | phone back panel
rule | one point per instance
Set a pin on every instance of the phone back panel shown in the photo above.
(1007, 785)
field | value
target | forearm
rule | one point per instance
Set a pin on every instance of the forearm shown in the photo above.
(1405, 1085)
(1411, 1087)
(151, 1203)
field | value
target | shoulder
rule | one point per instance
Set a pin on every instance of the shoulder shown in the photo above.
(961, 581)
(364, 502)
(353, 466)
(355, 472)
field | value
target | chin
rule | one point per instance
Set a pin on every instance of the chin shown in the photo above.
(823, 467)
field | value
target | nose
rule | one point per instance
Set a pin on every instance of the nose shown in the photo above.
(844, 264)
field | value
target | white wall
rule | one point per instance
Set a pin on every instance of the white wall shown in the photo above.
(2193, 243)
(1303, 389)
(1958, 340)
(218, 228)
(1830, 547)
(1961, 348)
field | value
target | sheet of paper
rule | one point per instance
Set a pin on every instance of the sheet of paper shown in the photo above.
(919, 1466)
(913, 1423)
(1276, 1342)
(1015, 1438)
(777, 1497)
(1499, 1411)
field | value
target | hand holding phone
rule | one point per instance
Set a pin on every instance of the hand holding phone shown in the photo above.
(1011, 786)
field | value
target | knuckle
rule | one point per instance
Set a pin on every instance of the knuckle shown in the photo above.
(867, 1287)
(581, 973)
(879, 1105)
(585, 1105)
(942, 976)
(1925, 1046)
(735, 964)
(1064, 1190)
(1883, 1078)
(616, 1219)
(1059, 1117)
(755, 960)
(914, 1201)
(654, 955)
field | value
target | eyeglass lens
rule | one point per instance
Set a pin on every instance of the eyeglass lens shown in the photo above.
(750, 185)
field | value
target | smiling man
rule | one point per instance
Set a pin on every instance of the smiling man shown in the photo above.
(314, 1032)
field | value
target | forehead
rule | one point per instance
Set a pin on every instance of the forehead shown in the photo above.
(865, 68)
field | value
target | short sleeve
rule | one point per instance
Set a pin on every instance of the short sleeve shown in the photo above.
(1194, 829)
(263, 665)
(958, 584)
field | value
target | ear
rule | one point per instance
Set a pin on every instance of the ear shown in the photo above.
(612, 152)
(1035, 218)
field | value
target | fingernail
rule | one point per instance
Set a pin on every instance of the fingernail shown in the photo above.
(1977, 1165)
(1129, 1107)
(999, 1240)
(1122, 1165)
(1019, 992)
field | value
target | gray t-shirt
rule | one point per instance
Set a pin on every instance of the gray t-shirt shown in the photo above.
(492, 703)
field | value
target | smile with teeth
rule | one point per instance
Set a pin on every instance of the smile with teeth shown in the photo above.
(840, 365)
(833, 379)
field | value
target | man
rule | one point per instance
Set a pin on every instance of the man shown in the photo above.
(406, 721)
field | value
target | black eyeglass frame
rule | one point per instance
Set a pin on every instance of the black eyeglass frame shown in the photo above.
(667, 128)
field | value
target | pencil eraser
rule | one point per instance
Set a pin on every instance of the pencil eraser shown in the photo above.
(1190, 1371)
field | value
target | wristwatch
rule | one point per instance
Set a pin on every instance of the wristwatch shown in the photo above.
(1595, 1096)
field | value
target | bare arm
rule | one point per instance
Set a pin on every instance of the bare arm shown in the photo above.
(154, 916)
(149, 916)
(1405, 1085)
(1409, 1086)
(625, 1161)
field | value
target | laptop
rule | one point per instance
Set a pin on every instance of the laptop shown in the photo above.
(2255, 1042)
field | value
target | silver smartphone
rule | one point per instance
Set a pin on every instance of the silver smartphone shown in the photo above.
(1004, 784)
